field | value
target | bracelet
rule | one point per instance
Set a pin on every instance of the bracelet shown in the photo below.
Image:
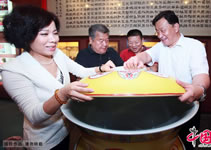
(101, 69)
(202, 97)
(58, 99)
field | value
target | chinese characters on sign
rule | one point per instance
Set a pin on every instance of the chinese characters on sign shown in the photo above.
(122, 15)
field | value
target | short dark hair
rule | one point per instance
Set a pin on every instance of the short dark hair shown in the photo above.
(97, 27)
(22, 25)
(134, 32)
(169, 15)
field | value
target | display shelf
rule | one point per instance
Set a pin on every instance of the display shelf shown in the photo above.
(5, 8)
(7, 52)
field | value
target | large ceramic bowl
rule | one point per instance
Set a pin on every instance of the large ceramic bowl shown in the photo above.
(131, 120)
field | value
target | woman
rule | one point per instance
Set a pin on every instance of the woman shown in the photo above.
(38, 80)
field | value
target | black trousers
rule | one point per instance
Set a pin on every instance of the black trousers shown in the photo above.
(63, 145)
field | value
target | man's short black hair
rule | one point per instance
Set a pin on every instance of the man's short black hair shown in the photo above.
(169, 15)
(134, 32)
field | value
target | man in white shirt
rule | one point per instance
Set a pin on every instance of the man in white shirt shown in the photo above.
(179, 57)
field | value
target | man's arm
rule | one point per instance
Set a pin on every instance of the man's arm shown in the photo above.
(202, 80)
(144, 57)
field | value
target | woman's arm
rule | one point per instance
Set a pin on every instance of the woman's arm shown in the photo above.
(82, 72)
(72, 90)
(22, 91)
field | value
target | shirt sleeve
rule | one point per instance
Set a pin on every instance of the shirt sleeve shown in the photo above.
(153, 52)
(198, 62)
(21, 90)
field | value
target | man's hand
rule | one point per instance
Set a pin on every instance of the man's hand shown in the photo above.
(133, 64)
(193, 92)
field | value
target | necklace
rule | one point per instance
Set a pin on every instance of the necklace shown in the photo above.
(46, 63)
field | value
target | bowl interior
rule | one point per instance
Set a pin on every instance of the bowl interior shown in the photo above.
(129, 113)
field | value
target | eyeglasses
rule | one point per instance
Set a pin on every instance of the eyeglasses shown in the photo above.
(101, 41)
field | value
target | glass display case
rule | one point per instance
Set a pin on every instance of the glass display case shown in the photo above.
(71, 49)
(149, 44)
(5, 8)
(114, 45)
(7, 53)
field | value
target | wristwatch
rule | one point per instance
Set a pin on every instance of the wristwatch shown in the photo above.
(202, 98)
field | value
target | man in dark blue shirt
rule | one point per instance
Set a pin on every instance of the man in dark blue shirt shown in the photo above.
(98, 52)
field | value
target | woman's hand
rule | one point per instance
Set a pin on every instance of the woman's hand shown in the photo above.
(74, 91)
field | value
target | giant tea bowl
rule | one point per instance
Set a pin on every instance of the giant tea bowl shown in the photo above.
(135, 122)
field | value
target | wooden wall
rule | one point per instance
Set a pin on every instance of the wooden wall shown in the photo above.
(23, 2)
